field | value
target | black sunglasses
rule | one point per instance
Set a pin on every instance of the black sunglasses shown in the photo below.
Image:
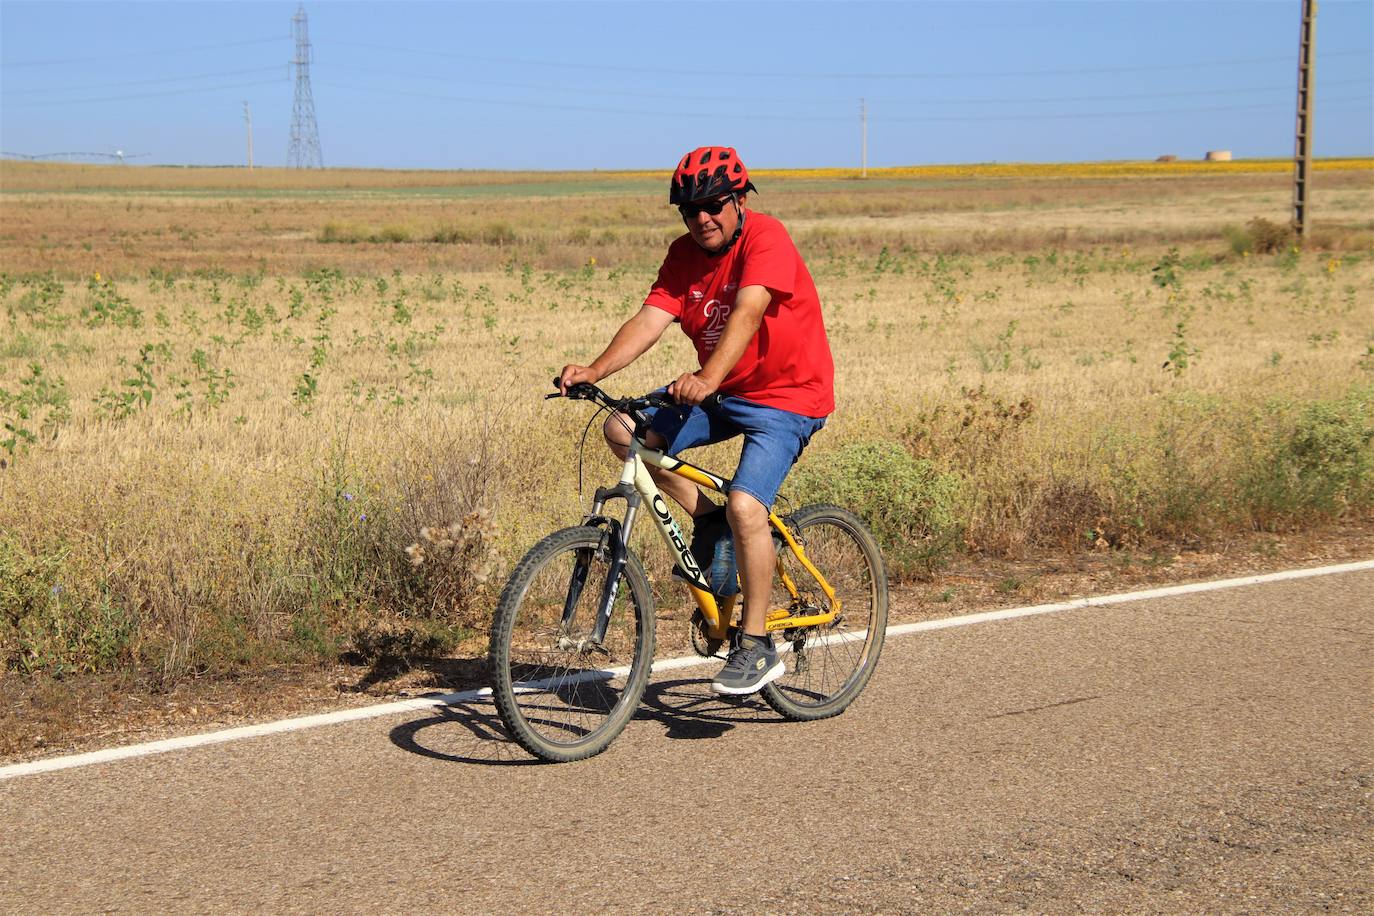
(712, 207)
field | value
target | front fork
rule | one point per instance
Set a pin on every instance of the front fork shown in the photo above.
(617, 539)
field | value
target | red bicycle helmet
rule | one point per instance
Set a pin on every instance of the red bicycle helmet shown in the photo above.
(707, 172)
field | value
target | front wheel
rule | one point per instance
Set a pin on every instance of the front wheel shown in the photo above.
(828, 665)
(562, 696)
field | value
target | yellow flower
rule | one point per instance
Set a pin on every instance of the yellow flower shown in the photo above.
(97, 276)
(591, 262)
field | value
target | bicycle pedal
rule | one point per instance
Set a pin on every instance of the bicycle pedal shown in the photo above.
(703, 645)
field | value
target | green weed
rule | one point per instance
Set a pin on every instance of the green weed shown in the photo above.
(912, 507)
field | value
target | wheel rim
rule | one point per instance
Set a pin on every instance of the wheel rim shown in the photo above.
(565, 690)
(824, 662)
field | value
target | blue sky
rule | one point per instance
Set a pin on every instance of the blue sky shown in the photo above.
(632, 85)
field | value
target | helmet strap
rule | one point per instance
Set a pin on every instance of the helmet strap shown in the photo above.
(739, 230)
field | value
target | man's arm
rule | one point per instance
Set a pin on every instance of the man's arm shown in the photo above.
(750, 304)
(633, 339)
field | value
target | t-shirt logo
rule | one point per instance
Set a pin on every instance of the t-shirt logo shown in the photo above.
(716, 313)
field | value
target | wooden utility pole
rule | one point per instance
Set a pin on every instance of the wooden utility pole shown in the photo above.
(248, 120)
(863, 129)
(1302, 156)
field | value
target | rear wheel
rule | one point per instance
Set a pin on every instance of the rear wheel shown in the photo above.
(828, 666)
(561, 696)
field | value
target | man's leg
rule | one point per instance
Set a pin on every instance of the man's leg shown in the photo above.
(687, 494)
(754, 660)
(773, 439)
(755, 556)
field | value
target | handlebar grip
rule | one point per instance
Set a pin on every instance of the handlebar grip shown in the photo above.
(712, 401)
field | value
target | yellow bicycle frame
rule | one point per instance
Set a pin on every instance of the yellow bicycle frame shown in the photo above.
(717, 615)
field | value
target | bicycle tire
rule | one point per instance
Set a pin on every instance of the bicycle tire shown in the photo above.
(828, 666)
(558, 700)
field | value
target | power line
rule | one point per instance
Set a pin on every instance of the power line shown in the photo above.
(845, 100)
(1121, 114)
(549, 87)
(872, 76)
(132, 54)
(145, 95)
(148, 82)
(749, 116)
(555, 106)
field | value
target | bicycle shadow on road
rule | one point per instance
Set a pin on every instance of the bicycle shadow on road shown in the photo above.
(686, 708)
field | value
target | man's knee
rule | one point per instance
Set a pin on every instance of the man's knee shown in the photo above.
(745, 513)
(617, 435)
(619, 429)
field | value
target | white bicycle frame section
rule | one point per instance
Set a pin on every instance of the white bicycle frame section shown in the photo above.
(636, 474)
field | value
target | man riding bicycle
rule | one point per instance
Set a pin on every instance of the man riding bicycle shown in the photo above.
(738, 287)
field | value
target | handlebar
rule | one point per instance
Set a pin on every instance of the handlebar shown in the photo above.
(586, 391)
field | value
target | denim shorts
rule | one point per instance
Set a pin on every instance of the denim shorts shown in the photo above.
(773, 439)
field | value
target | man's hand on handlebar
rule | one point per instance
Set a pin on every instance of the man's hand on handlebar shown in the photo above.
(572, 375)
(579, 389)
(690, 388)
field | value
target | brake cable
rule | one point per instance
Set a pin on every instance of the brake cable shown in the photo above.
(582, 448)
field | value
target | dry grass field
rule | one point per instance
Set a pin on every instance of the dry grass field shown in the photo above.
(231, 402)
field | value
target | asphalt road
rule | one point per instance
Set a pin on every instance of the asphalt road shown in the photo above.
(1211, 751)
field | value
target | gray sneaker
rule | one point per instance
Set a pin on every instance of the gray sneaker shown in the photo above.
(752, 663)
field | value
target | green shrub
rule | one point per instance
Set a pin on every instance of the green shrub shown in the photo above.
(40, 301)
(1320, 462)
(498, 234)
(391, 234)
(911, 506)
(450, 235)
(46, 628)
(1241, 242)
(344, 233)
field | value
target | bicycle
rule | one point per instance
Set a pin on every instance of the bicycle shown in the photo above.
(572, 639)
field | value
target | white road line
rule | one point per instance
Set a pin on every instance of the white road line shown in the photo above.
(467, 696)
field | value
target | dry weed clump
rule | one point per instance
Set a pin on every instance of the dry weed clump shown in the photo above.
(1260, 236)
(460, 555)
(451, 484)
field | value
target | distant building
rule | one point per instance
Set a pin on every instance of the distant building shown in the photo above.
(1218, 155)
(1167, 157)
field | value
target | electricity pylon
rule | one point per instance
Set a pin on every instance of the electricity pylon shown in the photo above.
(305, 135)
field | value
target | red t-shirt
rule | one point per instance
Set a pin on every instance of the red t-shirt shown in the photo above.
(788, 363)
